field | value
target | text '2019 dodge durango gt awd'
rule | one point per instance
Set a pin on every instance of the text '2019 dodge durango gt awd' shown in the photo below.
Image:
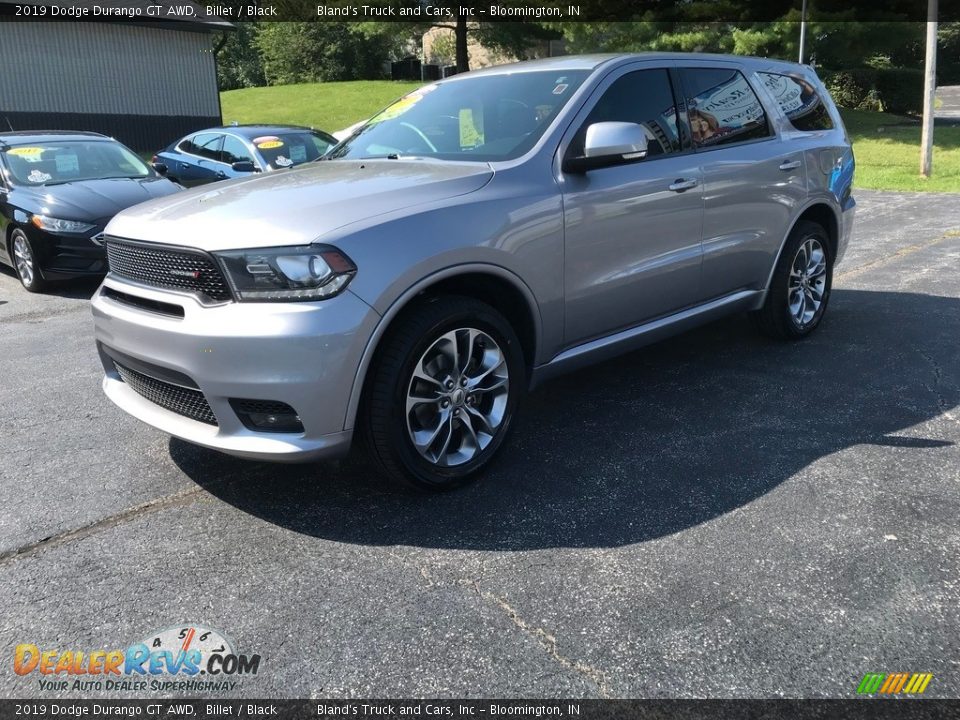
(476, 237)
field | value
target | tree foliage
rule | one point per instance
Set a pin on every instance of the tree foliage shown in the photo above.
(296, 52)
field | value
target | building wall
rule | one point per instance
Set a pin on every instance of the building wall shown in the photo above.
(145, 86)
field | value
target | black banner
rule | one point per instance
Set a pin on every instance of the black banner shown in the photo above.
(867, 709)
(232, 11)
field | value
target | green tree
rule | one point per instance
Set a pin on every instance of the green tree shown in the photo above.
(238, 58)
(295, 52)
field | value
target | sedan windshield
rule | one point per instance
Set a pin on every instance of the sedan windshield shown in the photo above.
(487, 117)
(285, 149)
(61, 162)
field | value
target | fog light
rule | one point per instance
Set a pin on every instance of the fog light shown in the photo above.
(267, 415)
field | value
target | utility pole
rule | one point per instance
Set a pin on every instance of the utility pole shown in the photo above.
(803, 30)
(929, 90)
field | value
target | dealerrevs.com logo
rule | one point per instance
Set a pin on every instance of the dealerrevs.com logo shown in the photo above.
(189, 657)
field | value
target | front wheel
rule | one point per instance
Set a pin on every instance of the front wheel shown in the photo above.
(443, 393)
(25, 262)
(800, 287)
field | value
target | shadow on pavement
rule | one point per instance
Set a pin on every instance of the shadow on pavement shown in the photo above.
(648, 444)
(77, 289)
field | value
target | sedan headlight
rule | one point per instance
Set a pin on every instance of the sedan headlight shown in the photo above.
(287, 273)
(56, 225)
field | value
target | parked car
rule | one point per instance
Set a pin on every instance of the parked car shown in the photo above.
(58, 190)
(238, 151)
(477, 237)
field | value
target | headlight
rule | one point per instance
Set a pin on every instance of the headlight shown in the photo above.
(56, 225)
(287, 273)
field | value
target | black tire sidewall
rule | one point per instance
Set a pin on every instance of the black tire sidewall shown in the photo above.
(38, 282)
(422, 473)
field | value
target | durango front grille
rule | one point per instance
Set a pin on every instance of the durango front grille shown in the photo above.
(183, 401)
(162, 266)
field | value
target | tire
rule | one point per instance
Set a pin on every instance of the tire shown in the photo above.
(467, 428)
(25, 262)
(800, 288)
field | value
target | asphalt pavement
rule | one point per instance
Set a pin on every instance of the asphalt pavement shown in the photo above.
(717, 515)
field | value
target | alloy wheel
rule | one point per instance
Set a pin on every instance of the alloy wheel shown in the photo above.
(457, 397)
(23, 258)
(807, 282)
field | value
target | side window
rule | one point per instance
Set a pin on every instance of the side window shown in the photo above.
(206, 145)
(234, 151)
(722, 107)
(643, 97)
(799, 100)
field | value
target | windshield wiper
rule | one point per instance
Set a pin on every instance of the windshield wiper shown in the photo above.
(109, 177)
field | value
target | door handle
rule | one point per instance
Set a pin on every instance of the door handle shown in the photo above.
(789, 165)
(680, 185)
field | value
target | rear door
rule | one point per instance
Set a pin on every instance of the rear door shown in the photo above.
(632, 232)
(754, 179)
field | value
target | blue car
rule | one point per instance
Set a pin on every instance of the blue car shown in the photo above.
(239, 150)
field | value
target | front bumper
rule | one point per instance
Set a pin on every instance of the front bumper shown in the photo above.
(60, 257)
(303, 354)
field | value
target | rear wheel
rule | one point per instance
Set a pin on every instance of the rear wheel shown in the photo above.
(801, 284)
(443, 393)
(25, 262)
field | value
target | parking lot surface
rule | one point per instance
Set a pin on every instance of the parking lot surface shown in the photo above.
(715, 515)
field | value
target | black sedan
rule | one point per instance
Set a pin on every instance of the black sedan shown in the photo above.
(239, 150)
(58, 191)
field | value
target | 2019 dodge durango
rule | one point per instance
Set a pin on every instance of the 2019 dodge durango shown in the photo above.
(476, 237)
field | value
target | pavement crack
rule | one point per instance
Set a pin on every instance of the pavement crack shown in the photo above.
(902, 252)
(51, 541)
(934, 389)
(546, 641)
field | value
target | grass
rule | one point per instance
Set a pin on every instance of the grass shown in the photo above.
(887, 146)
(325, 106)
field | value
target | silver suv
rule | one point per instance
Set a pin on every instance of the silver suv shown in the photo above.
(473, 239)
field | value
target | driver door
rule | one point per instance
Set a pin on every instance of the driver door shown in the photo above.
(632, 232)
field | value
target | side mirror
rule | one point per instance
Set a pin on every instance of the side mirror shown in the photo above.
(243, 166)
(160, 167)
(609, 143)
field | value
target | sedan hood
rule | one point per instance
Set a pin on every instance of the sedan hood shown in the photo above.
(296, 206)
(93, 200)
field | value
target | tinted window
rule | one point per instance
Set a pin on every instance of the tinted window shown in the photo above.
(206, 145)
(799, 101)
(645, 98)
(234, 151)
(722, 107)
(479, 117)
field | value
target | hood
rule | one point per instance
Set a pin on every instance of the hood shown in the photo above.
(93, 200)
(296, 206)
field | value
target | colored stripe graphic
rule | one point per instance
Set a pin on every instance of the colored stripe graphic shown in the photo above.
(894, 683)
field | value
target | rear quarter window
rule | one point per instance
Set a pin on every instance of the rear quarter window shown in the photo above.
(799, 100)
(722, 107)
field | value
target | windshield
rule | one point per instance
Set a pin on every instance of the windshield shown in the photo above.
(70, 161)
(488, 118)
(292, 148)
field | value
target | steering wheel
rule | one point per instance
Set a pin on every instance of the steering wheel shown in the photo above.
(426, 140)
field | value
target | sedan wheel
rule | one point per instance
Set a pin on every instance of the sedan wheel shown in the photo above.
(24, 260)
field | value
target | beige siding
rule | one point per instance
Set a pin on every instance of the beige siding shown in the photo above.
(106, 68)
